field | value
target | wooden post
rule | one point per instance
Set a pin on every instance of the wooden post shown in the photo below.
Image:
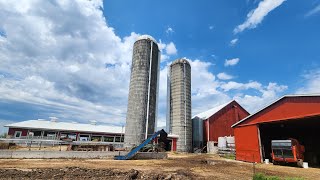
(260, 146)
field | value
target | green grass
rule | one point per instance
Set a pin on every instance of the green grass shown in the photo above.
(260, 176)
(229, 156)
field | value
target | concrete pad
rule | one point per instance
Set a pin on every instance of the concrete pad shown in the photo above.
(151, 155)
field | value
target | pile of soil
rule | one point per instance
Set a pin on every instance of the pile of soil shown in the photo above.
(84, 173)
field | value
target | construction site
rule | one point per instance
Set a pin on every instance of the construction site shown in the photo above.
(225, 142)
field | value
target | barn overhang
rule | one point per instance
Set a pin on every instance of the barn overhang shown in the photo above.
(295, 117)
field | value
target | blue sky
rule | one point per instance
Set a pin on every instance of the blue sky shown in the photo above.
(284, 43)
(71, 59)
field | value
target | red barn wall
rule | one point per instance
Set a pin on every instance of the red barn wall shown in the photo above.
(221, 122)
(11, 131)
(247, 143)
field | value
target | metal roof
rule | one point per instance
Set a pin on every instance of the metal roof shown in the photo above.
(70, 126)
(285, 96)
(66, 126)
(205, 115)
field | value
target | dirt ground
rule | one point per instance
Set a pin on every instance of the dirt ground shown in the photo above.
(34, 148)
(177, 166)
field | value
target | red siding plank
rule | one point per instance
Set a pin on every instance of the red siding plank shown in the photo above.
(247, 144)
(221, 122)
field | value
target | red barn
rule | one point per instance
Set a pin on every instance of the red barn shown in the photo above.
(292, 116)
(217, 121)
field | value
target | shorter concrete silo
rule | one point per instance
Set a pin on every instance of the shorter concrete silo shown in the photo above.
(179, 104)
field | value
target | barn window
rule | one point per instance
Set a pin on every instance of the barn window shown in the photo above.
(17, 134)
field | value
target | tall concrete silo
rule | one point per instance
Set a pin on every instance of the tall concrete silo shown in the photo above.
(143, 92)
(179, 104)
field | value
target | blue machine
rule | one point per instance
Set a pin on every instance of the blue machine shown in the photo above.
(135, 150)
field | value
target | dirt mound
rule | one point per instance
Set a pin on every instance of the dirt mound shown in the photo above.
(84, 173)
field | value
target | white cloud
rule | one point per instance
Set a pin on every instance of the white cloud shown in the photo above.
(64, 62)
(164, 57)
(162, 103)
(224, 76)
(171, 49)
(204, 87)
(211, 27)
(208, 92)
(313, 11)
(231, 62)
(203, 81)
(161, 45)
(311, 82)
(234, 41)
(268, 94)
(169, 30)
(240, 86)
(256, 16)
(167, 50)
(67, 62)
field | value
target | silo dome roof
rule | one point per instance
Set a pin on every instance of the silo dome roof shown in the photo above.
(145, 36)
(182, 60)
